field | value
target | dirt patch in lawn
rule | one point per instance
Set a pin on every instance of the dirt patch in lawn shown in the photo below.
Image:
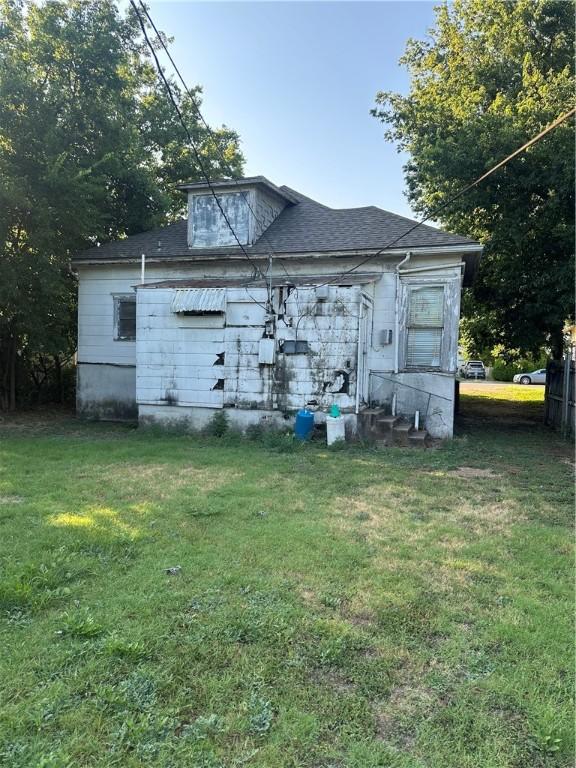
(334, 680)
(163, 480)
(471, 473)
(361, 619)
(393, 720)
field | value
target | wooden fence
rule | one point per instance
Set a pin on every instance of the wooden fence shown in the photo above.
(559, 411)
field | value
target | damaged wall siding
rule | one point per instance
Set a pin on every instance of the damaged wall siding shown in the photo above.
(212, 361)
(106, 391)
(325, 374)
(290, 383)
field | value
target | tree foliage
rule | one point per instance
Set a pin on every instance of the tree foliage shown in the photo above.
(491, 76)
(90, 150)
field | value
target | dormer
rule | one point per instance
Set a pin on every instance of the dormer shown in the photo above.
(250, 205)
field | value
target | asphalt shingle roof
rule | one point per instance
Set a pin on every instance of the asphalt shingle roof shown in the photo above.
(302, 227)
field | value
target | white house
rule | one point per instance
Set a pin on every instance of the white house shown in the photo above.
(308, 312)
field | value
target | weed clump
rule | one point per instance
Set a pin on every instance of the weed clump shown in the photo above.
(218, 425)
(81, 624)
(260, 716)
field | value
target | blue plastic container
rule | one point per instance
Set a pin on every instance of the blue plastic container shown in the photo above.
(304, 424)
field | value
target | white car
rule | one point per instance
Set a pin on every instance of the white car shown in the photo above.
(535, 377)
(474, 369)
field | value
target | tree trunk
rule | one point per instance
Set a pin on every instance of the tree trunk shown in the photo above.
(59, 381)
(557, 344)
(12, 374)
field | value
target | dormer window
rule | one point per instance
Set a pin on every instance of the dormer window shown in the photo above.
(249, 204)
(207, 227)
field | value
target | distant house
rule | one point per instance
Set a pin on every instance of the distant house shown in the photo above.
(292, 322)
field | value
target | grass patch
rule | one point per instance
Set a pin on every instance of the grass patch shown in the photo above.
(516, 404)
(209, 601)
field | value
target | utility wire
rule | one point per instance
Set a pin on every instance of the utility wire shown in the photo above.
(191, 141)
(465, 189)
(211, 133)
(267, 279)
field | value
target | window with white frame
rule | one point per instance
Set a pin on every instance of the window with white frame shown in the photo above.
(425, 326)
(125, 317)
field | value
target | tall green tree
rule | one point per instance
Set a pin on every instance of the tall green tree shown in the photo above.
(490, 76)
(90, 150)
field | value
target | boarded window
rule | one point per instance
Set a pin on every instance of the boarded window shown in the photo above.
(125, 318)
(425, 327)
(207, 227)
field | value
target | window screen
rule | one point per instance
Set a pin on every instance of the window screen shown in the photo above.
(125, 317)
(425, 327)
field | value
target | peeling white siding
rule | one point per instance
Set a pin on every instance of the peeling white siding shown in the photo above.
(178, 355)
(212, 364)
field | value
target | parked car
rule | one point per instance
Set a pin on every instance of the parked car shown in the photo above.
(474, 369)
(534, 377)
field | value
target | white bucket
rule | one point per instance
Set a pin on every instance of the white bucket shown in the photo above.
(335, 429)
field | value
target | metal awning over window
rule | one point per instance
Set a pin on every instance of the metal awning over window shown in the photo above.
(199, 300)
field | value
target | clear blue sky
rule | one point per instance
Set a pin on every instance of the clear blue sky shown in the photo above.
(297, 81)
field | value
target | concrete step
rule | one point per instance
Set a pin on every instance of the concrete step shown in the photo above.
(384, 427)
(388, 421)
(418, 438)
(371, 415)
(400, 433)
(367, 423)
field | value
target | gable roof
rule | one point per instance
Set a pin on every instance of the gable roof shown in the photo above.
(303, 226)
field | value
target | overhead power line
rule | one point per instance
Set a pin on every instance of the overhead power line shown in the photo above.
(209, 130)
(463, 191)
(216, 140)
(371, 257)
(204, 172)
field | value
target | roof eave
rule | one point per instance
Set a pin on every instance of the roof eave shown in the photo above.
(467, 250)
(227, 184)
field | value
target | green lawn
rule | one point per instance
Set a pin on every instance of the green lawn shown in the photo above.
(343, 608)
(513, 403)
